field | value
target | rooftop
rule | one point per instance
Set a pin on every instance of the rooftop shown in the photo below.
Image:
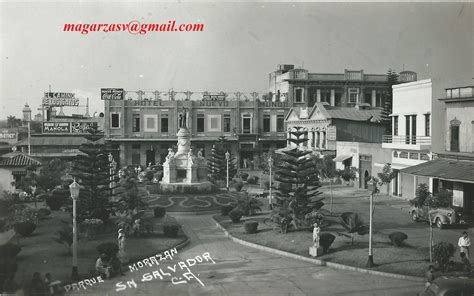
(18, 159)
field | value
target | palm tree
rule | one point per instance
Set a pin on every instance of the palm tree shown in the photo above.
(13, 122)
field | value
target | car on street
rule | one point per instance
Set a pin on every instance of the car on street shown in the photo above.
(439, 216)
(450, 286)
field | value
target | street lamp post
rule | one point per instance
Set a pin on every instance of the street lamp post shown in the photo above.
(270, 165)
(227, 157)
(74, 188)
(372, 186)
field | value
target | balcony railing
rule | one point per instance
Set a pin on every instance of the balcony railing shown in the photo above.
(409, 140)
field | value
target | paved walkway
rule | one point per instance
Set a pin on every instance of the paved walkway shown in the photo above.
(240, 270)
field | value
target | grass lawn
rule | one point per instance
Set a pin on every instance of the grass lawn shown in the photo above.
(407, 260)
(42, 254)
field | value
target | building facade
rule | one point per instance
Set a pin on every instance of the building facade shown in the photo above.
(144, 124)
(347, 89)
(452, 169)
(410, 141)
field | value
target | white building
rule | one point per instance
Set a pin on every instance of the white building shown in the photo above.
(410, 141)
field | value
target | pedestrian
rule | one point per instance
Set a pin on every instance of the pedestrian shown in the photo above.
(430, 275)
(464, 243)
(466, 265)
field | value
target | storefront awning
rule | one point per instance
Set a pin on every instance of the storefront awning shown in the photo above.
(340, 158)
(445, 169)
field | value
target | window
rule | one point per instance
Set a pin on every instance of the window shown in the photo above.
(413, 129)
(246, 123)
(115, 120)
(323, 140)
(136, 123)
(454, 138)
(136, 158)
(395, 125)
(326, 95)
(378, 99)
(214, 123)
(353, 95)
(164, 123)
(266, 123)
(226, 123)
(280, 123)
(135, 146)
(200, 123)
(427, 125)
(151, 123)
(407, 129)
(298, 95)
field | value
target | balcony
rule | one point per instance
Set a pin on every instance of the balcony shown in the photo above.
(406, 142)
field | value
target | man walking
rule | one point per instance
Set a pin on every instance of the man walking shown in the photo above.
(464, 243)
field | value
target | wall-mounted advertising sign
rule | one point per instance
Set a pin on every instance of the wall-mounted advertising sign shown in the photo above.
(82, 127)
(58, 95)
(331, 133)
(114, 94)
(68, 127)
(219, 97)
(56, 127)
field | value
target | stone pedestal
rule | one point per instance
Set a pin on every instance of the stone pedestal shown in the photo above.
(169, 173)
(315, 251)
(191, 175)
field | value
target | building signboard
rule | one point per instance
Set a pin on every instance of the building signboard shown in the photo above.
(59, 99)
(331, 133)
(56, 127)
(272, 104)
(115, 94)
(219, 97)
(7, 135)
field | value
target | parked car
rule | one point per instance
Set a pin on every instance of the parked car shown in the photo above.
(446, 286)
(439, 216)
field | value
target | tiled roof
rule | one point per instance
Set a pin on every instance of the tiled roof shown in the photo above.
(448, 169)
(354, 114)
(54, 141)
(18, 160)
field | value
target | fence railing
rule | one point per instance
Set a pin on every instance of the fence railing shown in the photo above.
(409, 140)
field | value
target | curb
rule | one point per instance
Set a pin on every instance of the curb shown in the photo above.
(316, 261)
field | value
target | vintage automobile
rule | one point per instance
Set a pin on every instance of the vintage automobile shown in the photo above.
(446, 286)
(439, 216)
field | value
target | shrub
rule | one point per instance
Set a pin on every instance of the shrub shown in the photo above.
(55, 201)
(159, 212)
(170, 230)
(252, 180)
(238, 186)
(397, 238)
(43, 213)
(149, 175)
(266, 185)
(225, 210)
(326, 240)
(24, 228)
(251, 227)
(110, 249)
(249, 205)
(442, 252)
(158, 176)
(100, 213)
(235, 215)
(244, 176)
(9, 250)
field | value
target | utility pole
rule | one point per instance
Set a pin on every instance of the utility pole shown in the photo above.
(373, 189)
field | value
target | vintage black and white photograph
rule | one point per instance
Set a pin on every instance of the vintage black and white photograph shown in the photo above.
(236, 148)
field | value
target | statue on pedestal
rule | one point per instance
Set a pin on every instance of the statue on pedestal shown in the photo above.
(122, 255)
(170, 156)
(182, 119)
(316, 231)
(200, 153)
(190, 157)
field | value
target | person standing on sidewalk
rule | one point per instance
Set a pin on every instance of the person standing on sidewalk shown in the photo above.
(464, 243)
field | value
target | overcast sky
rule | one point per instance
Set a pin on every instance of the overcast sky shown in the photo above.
(240, 45)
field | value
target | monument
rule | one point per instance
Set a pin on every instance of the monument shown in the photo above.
(183, 171)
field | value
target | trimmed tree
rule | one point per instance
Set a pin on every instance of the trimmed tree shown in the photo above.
(295, 199)
(92, 171)
(217, 163)
(387, 175)
(328, 171)
(392, 79)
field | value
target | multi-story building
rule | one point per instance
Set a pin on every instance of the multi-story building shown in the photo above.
(410, 141)
(143, 125)
(353, 135)
(301, 88)
(452, 169)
